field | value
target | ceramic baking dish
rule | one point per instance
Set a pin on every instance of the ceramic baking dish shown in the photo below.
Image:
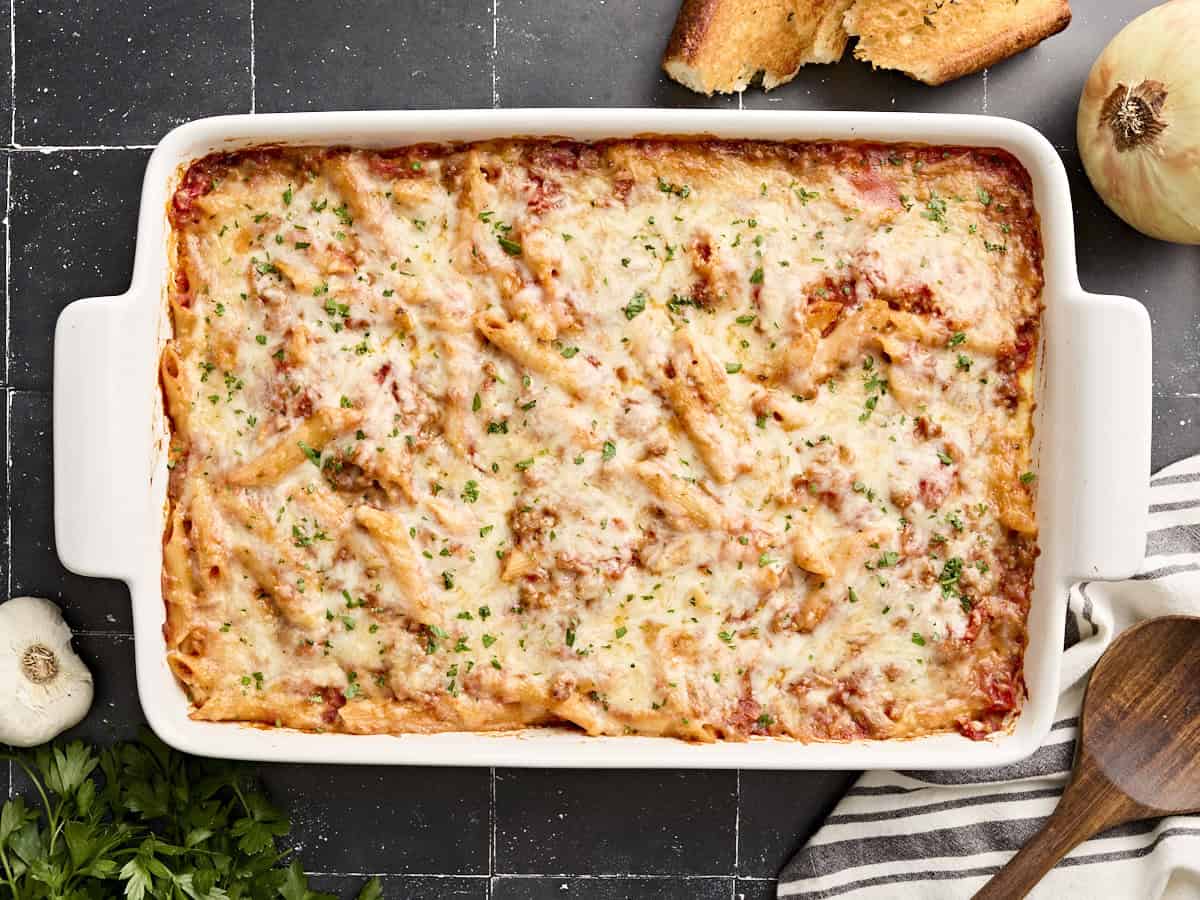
(1092, 440)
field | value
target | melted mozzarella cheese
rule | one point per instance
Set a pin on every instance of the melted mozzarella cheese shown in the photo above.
(678, 438)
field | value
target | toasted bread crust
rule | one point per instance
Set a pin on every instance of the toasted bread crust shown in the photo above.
(1004, 45)
(999, 46)
(720, 45)
(691, 25)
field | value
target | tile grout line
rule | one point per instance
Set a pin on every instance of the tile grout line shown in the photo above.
(495, 53)
(12, 71)
(8, 300)
(67, 148)
(591, 876)
(253, 85)
(8, 391)
(492, 833)
(611, 876)
(737, 832)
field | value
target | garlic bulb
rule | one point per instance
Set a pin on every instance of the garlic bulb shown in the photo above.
(1139, 123)
(44, 686)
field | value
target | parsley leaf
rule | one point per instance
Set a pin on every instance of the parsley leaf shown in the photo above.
(314, 456)
(139, 820)
(635, 306)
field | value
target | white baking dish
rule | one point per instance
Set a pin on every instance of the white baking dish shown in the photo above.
(1093, 440)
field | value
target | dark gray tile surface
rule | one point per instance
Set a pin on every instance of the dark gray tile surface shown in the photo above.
(386, 819)
(754, 889)
(777, 810)
(90, 604)
(405, 887)
(615, 823)
(106, 75)
(97, 72)
(584, 53)
(1176, 429)
(72, 222)
(372, 55)
(116, 711)
(546, 887)
(850, 84)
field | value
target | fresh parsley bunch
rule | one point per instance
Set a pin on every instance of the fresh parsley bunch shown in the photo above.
(140, 820)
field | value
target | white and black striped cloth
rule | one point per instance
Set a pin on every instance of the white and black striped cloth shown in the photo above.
(943, 834)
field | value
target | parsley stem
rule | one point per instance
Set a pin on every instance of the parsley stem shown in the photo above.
(8, 874)
(51, 817)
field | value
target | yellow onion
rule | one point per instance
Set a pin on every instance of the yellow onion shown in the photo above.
(1139, 123)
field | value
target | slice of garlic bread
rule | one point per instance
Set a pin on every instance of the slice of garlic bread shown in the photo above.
(721, 45)
(936, 41)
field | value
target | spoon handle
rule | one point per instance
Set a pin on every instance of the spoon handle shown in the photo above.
(1089, 804)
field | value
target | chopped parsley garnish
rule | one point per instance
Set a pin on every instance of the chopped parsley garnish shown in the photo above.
(889, 559)
(948, 579)
(944, 457)
(448, 580)
(609, 451)
(733, 368)
(314, 456)
(984, 197)
(568, 352)
(1027, 478)
(935, 210)
(682, 191)
(747, 319)
(918, 639)
(470, 491)
(804, 196)
(756, 277)
(621, 632)
(512, 248)
(636, 306)
(957, 338)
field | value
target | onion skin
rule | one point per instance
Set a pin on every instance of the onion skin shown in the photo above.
(1139, 123)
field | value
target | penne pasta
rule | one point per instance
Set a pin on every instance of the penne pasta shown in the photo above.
(699, 439)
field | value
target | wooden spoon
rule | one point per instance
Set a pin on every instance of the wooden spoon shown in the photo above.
(1138, 753)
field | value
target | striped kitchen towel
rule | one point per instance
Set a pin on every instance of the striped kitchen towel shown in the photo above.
(943, 834)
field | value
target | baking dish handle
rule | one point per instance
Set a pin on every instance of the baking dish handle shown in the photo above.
(1107, 376)
(102, 439)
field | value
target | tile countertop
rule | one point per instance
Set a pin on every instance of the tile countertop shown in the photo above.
(94, 86)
